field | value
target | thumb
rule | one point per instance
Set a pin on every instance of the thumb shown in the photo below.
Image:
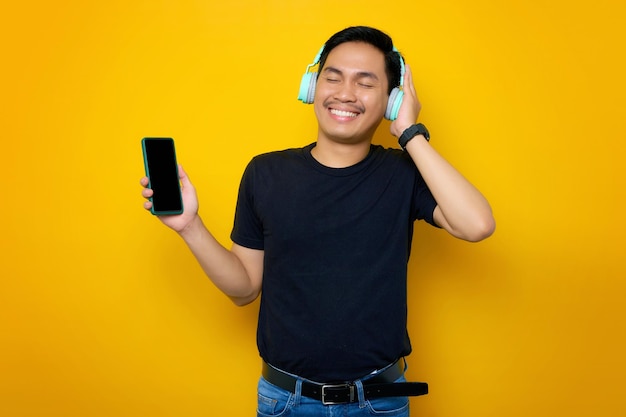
(182, 175)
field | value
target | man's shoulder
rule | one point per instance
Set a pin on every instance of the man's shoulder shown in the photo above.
(392, 156)
(382, 150)
(280, 155)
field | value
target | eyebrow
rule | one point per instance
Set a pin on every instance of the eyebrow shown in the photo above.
(360, 74)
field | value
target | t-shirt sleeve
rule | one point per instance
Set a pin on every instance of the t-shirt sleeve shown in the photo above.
(248, 228)
(423, 201)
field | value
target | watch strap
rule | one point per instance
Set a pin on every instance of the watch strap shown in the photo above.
(411, 132)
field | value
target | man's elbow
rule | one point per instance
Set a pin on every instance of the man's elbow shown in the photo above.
(482, 229)
(244, 301)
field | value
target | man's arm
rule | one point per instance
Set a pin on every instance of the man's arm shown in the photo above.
(461, 209)
(237, 272)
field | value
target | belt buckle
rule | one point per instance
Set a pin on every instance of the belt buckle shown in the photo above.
(330, 402)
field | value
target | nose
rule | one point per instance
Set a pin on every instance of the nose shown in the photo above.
(345, 93)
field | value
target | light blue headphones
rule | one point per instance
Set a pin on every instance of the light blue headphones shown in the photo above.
(309, 81)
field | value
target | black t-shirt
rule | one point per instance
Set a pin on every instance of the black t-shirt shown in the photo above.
(336, 245)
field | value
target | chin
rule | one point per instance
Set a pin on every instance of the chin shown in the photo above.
(347, 138)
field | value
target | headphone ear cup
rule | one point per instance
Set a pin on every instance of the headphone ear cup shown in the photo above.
(394, 103)
(307, 87)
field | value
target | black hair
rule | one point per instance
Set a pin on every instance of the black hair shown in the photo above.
(374, 37)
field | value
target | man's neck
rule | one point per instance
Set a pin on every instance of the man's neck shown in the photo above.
(339, 155)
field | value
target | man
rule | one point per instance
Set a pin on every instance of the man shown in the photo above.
(324, 234)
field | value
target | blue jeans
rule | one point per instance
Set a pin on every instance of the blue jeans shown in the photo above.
(275, 401)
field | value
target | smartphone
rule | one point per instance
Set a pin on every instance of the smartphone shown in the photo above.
(159, 159)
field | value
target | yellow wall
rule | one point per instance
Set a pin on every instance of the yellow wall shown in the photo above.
(103, 311)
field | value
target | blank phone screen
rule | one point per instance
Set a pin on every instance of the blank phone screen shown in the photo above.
(162, 171)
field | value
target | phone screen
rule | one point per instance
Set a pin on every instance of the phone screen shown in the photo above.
(162, 171)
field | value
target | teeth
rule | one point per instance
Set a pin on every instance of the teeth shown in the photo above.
(342, 113)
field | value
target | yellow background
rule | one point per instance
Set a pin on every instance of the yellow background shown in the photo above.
(103, 311)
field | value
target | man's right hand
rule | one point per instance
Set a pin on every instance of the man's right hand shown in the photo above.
(190, 203)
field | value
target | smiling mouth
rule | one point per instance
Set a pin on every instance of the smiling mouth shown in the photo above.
(343, 113)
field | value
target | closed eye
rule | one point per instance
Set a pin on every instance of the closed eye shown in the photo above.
(332, 75)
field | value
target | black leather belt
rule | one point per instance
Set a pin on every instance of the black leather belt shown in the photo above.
(377, 386)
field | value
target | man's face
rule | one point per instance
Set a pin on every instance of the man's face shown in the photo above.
(351, 93)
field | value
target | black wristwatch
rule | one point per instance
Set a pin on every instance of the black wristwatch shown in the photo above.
(411, 132)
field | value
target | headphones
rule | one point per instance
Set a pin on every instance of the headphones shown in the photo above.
(309, 82)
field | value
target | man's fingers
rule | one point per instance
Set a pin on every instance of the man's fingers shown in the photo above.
(408, 79)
